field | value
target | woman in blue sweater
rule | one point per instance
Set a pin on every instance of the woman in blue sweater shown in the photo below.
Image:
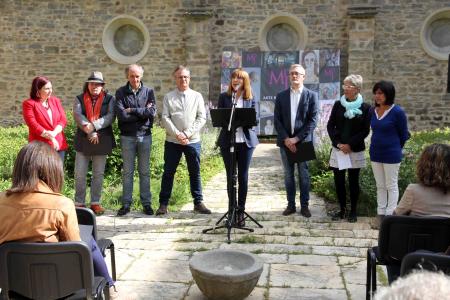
(389, 134)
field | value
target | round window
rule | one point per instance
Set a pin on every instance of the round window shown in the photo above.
(125, 39)
(283, 32)
(282, 37)
(435, 34)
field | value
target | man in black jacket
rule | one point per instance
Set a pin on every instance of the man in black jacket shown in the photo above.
(135, 109)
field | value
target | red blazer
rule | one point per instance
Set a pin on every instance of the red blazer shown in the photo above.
(37, 120)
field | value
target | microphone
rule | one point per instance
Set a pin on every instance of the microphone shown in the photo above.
(234, 89)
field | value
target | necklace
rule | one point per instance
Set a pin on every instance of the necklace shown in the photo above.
(45, 104)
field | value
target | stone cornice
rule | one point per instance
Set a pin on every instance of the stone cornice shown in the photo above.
(362, 11)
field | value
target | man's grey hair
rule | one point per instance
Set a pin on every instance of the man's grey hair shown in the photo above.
(419, 285)
(181, 67)
(129, 67)
(355, 80)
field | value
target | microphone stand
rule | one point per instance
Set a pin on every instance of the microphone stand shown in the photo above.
(230, 217)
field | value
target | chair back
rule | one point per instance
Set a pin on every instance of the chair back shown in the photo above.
(400, 235)
(425, 261)
(46, 270)
(86, 217)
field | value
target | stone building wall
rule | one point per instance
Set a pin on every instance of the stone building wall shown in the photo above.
(62, 39)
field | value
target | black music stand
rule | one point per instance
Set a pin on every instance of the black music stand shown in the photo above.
(232, 118)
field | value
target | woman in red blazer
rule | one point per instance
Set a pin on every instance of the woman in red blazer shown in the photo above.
(45, 116)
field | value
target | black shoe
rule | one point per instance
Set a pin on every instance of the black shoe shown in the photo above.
(304, 211)
(201, 209)
(338, 215)
(162, 210)
(148, 210)
(352, 218)
(289, 211)
(240, 219)
(123, 210)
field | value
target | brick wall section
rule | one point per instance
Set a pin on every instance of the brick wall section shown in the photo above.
(62, 39)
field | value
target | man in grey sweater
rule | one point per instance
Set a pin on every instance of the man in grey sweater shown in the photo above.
(183, 116)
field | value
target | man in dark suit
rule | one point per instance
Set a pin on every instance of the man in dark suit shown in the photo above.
(296, 114)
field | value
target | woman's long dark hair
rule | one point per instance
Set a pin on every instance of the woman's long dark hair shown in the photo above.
(37, 162)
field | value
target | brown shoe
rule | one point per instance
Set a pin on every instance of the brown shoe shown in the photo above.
(201, 209)
(289, 211)
(304, 211)
(97, 209)
(162, 210)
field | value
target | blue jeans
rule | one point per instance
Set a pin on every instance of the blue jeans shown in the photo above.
(243, 159)
(133, 146)
(289, 180)
(81, 170)
(172, 156)
(99, 264)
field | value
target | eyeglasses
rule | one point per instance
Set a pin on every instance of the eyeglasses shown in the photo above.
(346, 86)
(296, 73)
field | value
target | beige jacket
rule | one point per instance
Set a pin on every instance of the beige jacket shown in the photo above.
(186, 115)
(41, 216)
(420, 200)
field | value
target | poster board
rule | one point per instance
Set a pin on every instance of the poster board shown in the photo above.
(269, 75)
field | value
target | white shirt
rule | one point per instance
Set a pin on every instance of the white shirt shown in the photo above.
(239, 130)
(295, 99)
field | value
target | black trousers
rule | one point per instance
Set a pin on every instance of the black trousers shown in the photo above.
(353, 182)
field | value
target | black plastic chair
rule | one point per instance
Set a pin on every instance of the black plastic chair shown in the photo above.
(400, 235)
(420, 260)
(88, 225)
(45, 271)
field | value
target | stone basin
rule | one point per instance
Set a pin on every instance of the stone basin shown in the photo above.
(226, 274)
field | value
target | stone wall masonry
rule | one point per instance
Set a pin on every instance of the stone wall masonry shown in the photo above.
(62, 40)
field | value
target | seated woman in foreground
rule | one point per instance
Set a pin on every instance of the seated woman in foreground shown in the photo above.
(34, 210)
(430, 196)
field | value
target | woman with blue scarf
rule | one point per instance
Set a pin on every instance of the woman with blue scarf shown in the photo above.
(348, 126)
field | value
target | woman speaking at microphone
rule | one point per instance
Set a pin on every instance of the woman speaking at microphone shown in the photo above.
(240, 93)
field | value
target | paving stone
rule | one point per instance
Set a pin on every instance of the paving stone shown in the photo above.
(332, 233)
(144, 290)
(369, 234)
(148, 269)
(360, 243)
(312, 260)
(327, 241)
(357, 291)
(307, 294)
(319, 277)
(194, 293)
(274, 258)
(264, 278)
(352, 273)
(331, 250)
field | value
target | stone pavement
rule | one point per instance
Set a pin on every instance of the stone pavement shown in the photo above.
(303, 258)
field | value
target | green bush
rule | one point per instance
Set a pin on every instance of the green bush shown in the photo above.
(14, 138)
(322, 177)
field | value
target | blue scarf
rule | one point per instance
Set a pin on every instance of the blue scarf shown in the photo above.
(352, 108)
